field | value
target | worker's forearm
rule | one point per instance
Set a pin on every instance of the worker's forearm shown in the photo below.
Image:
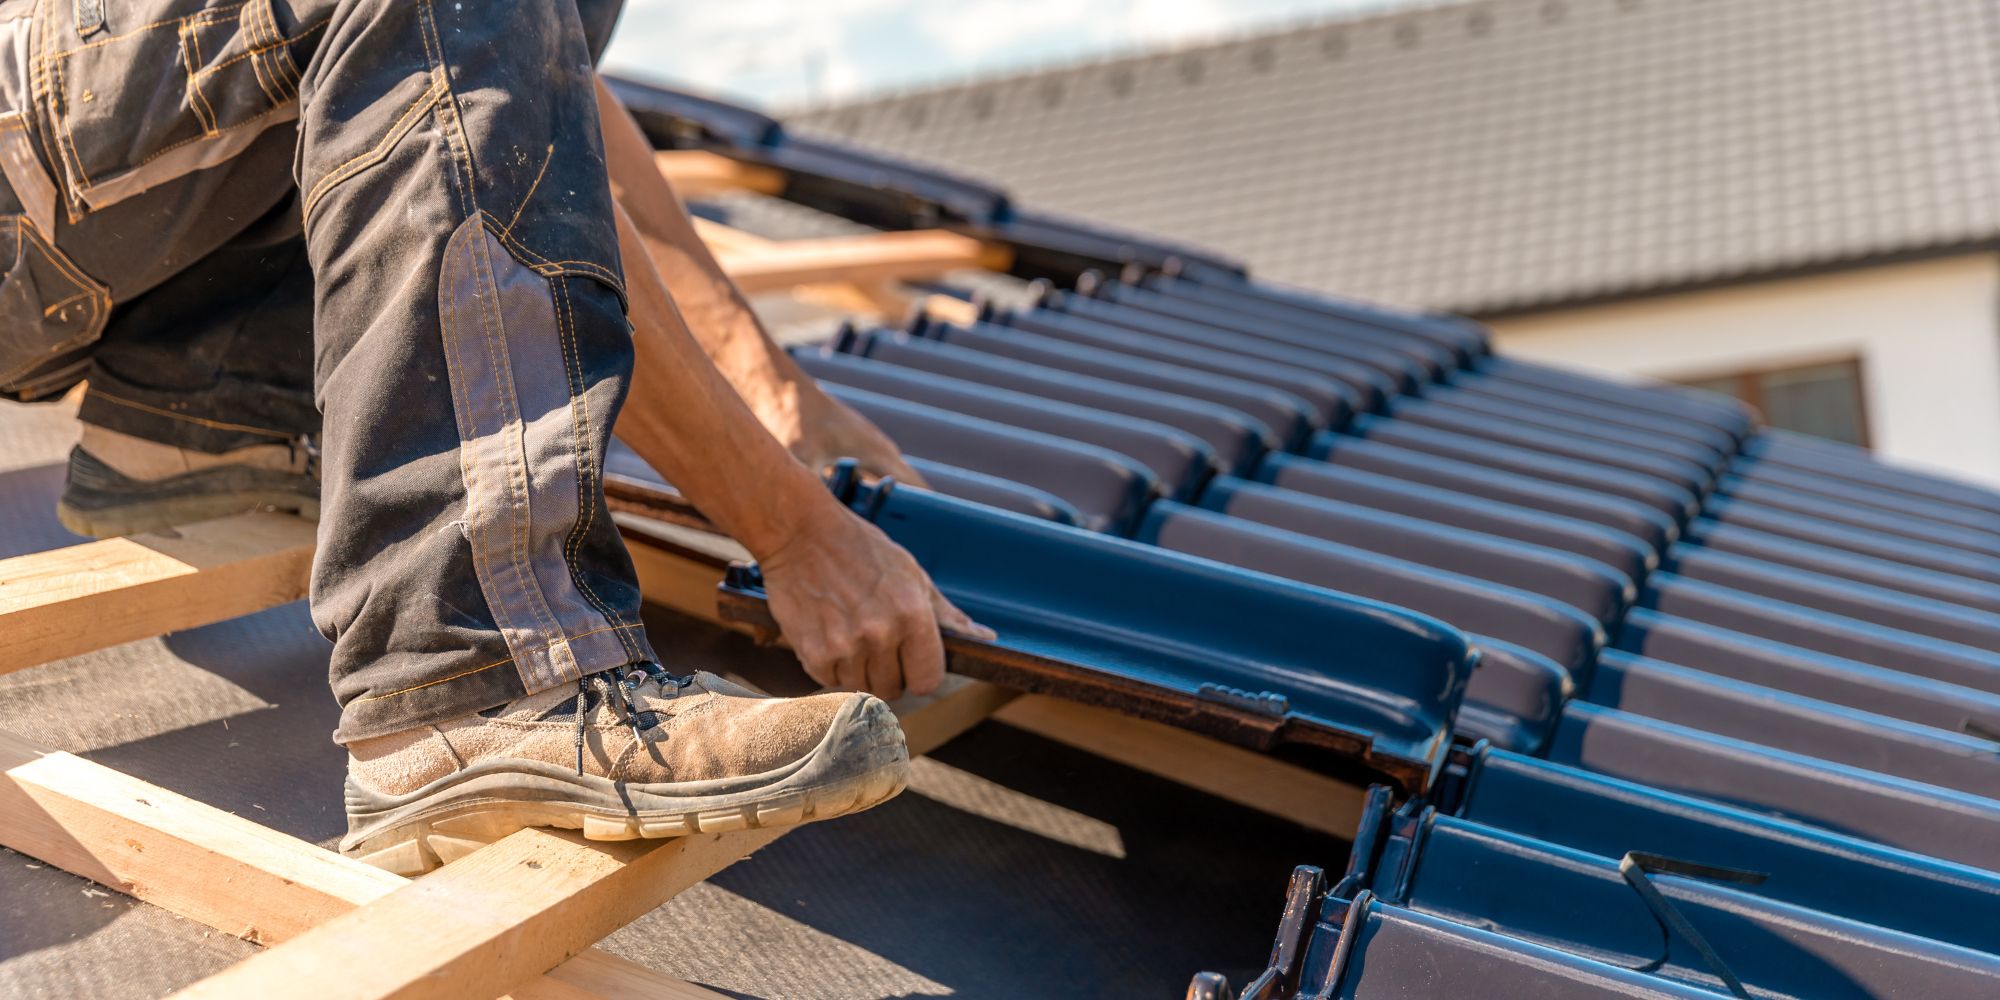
(816, 428)
(687, 421)
(716, 313)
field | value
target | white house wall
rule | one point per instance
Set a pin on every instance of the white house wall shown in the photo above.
(1927, 334)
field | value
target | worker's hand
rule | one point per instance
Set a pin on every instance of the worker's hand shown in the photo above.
(857, 609)
(821, 430)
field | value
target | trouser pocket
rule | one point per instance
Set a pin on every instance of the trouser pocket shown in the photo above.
(50, 314)
(162, 89)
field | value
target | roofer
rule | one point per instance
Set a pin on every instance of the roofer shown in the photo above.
(193, 185)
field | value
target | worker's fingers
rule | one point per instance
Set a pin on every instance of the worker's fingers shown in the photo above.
(922, 657)
(831, 648)
(811, 648)
(885, 675)
(893, 464)
(851, 673)
(958, 622)
(903, 636)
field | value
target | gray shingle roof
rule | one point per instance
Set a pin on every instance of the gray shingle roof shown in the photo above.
(1511, 153)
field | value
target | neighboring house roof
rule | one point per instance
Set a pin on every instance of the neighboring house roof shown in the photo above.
(1509, 154)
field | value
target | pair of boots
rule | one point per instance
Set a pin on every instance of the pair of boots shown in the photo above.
(637, 753)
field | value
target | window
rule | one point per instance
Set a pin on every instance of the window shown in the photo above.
(1823, 400)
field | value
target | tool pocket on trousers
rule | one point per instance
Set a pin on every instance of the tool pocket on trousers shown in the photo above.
(135, 105)
(50, 314)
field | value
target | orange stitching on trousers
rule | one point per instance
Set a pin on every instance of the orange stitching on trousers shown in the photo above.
(203, 421)
(434, 50)
(286, 66)
(374, 155)
(520, 536)
(239, 57)
(547, 158)
(191, 58)
(69, 136)
(283, 71)
(205, 18)
(546, 267)
(69, 269)
(99, 300)
(461, 403)
(62, 304)
(254, 25)
(52, 63)
(586, 466)
(246, 123)
(496, 663)
(257, 68)
(586, 476)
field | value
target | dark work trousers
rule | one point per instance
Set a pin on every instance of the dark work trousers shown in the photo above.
(384, 220)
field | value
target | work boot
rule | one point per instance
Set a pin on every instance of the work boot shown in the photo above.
(645, 754)
(125, 485)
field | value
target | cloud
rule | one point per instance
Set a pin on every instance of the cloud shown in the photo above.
(715, 43)
(1172, 21)
(976, 29)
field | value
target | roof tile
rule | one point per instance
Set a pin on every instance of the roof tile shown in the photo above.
(1490, 155)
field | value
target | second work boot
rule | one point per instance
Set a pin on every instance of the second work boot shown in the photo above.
(646, 754)
(125, 485)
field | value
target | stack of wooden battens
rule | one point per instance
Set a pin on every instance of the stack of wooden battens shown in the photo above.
(519, 916)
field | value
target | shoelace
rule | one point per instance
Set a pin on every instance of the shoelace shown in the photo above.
(620, 687)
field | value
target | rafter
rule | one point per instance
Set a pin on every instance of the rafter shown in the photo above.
(224, 871)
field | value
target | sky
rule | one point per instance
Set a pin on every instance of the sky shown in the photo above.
(789, 53)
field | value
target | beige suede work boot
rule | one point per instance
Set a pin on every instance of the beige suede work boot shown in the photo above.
(123, 485)
(648, 754)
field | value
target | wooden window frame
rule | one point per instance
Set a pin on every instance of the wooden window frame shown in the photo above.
(1749, 387)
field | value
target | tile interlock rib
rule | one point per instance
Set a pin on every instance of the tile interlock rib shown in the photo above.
(1413, 669)
(678, 557)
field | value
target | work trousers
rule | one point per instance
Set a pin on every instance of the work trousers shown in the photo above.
(386, 222)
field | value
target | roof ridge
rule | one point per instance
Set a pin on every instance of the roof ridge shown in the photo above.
(1505, 154)
(1382, 10)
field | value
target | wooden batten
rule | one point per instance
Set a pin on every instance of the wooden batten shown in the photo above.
(883, 299)
(1228, 772)
(696, 173)
(867, 259)
(92, 596)
(727, 239)
(950, 310)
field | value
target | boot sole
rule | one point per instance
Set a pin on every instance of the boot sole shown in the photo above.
(101, 502)
(156, 515)
(862, 762)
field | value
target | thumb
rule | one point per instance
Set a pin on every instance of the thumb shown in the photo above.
(958, 622)
(892, 464)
